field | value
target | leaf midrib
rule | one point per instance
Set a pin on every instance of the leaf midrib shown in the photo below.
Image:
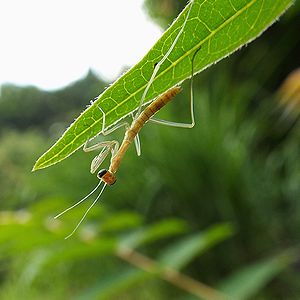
(235, 15)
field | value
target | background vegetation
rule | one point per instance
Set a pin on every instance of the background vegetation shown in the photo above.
(218, 203)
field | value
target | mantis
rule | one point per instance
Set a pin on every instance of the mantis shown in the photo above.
(107, 177)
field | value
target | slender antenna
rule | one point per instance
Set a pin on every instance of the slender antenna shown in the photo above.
(80, 201)
(157, 66)
(87, 211)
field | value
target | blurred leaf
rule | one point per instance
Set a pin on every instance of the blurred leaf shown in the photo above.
(19, 233)
(219, 30)
(248, 281)
(180, 253)
(114, 284)
(188, 297)
(73, 250)
(34, 264)
(153, 233)
(121, 221)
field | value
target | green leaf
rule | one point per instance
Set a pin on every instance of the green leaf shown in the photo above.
(219, 27)
(248, 281)
(179, 254)
(121, 221)
(74, 251)
(112, 285)
(153, 233)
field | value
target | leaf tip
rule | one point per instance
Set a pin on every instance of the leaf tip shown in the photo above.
(39, 164)
(36, 166)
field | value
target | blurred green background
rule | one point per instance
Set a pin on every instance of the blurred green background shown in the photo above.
(218, 204)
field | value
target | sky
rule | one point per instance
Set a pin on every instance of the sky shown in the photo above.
(50, 44)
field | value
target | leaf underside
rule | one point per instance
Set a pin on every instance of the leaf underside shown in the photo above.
(219, 27)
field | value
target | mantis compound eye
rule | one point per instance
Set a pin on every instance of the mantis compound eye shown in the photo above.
(107, 176)
(101, 173)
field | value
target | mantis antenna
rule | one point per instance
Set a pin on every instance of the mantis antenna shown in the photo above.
(80, 201)
(87, 211)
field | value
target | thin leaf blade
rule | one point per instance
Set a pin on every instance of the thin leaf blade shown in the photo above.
(184, 250)
(153, 233)
(219, 27)
(247, 282)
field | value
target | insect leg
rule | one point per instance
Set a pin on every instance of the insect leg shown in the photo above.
(98, 159)
(137, 142)
(178, 124)
(157, 65)
(108, 146)
(172, 124)
(105, 131)
(97, 146)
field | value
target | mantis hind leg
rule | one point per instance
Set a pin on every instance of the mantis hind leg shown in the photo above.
(158, 64)
(178, 124)
(137, 142)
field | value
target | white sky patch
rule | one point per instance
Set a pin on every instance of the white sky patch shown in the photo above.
(51, 43)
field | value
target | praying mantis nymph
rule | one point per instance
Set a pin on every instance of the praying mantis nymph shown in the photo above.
(108, 176)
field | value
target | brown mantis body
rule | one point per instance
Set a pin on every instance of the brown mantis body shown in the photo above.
(108, 176)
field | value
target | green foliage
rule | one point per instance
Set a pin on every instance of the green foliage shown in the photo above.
(185, 250)
(46, 249)
(113, 285)
(219, 29)
(145, 235)
(245, 283)
(21, 108)
(239, 165)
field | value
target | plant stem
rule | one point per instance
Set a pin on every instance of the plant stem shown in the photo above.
(174, 277)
